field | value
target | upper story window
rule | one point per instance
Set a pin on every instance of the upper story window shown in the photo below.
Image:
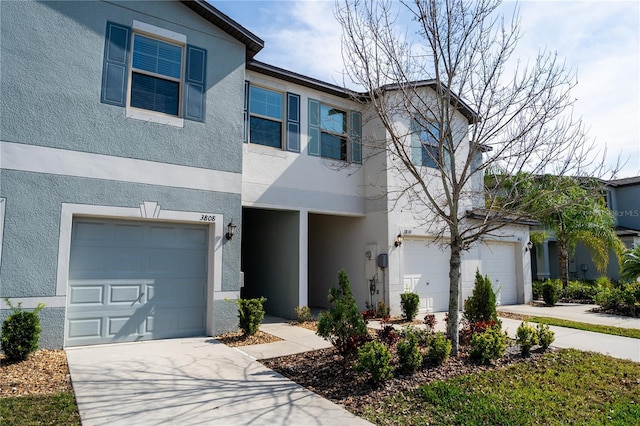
(425, 144)
(334, 133)
(154, 73)
(265, 119)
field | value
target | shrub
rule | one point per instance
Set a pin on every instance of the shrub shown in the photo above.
(430, 321)
(624, 300)
(526, 337)
(481, 305)
(388, 335)
(579, 292)
(470, 329)
(410, 302)
(303, 313)
(489, 346)
(439, 349)
(368, 314)
(604, 282)
(374, 359)
(630, 268)
(550, 292)
(536, 287)
(409, 356)
(251, 314)
(342, 324)
(382, 310)
(20, 332)
(545, 336)
(423, 336)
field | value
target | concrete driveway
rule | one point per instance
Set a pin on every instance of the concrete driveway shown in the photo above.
(193, 381)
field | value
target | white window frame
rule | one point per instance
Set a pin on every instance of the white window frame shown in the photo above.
(283, 106)
(168, 36)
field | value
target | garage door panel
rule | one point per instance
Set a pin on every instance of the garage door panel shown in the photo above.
(426, 272)
(499, 264)
(140, 281)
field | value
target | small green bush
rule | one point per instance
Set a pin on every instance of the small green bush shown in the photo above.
(536, 288)
(489, 346)
(342, 324)
(630, 267)
(422, 335)
(251, 314)
(579, 292)
(439, 349)
(409, 356)
(382, 309)
(545, 336)
(374, 360)
(623, 300)
(410, 302)
(603, 282)
(481, 305)
(20, 332)
(526, 337)
(550, 292)
(303, 313)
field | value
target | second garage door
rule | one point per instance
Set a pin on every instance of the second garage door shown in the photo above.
(498, 262)
(131, 281)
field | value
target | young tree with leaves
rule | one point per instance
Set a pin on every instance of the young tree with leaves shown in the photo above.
(453, 59)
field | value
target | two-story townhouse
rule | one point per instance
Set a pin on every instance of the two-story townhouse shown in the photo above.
(316, 199)
(121, 164)
(125, 177)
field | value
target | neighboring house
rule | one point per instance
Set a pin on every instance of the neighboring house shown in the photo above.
(123, 162)
(622, 197)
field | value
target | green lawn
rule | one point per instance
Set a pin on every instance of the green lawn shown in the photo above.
(566, 387)
(605, 329)
(54, 409)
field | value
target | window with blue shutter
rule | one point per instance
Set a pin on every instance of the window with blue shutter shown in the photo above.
(152, 74)
(265, 117)
(425, 140)
(245, 135)
(293, 122)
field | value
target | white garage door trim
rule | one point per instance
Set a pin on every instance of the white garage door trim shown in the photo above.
(499, 263)
(149, 211)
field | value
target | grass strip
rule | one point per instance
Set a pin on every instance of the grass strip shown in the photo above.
(605, 329)
(564, 387)
(53, 409)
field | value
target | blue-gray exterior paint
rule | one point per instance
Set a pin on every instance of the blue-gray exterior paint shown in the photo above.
(51, 90)
(52, 55)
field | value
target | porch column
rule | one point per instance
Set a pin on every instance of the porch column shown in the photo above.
(303, 284)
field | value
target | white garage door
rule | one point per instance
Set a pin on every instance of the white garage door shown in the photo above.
(426, 272)
(131, 281)
(499, 263)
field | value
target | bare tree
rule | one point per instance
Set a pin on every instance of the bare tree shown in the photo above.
(447, 82)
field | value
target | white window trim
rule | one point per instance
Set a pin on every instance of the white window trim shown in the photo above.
(143, 28)
(283, 105)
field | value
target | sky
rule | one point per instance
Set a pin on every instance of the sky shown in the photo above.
(599, 40)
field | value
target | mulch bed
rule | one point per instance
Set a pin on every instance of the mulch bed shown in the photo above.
(43, 372)
(239, 339)
(328, 374)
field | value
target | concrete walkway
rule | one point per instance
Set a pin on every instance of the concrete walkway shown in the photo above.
(195, 381)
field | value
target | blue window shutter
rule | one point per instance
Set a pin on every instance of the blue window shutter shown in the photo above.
(245, 134)
(115, 73)
(293, 122)
(195, 84)
(314, 127)
(356, 137)
(416, 144)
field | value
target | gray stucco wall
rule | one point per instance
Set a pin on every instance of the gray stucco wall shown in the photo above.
(627, 206)
(52, 55)
(52, 60)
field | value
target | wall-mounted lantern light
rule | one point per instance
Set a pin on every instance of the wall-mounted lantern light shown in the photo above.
(398, 242)
(231, 230)
(529, 246)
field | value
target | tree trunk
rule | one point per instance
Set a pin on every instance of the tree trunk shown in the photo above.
(454, 293)
(563, 260)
